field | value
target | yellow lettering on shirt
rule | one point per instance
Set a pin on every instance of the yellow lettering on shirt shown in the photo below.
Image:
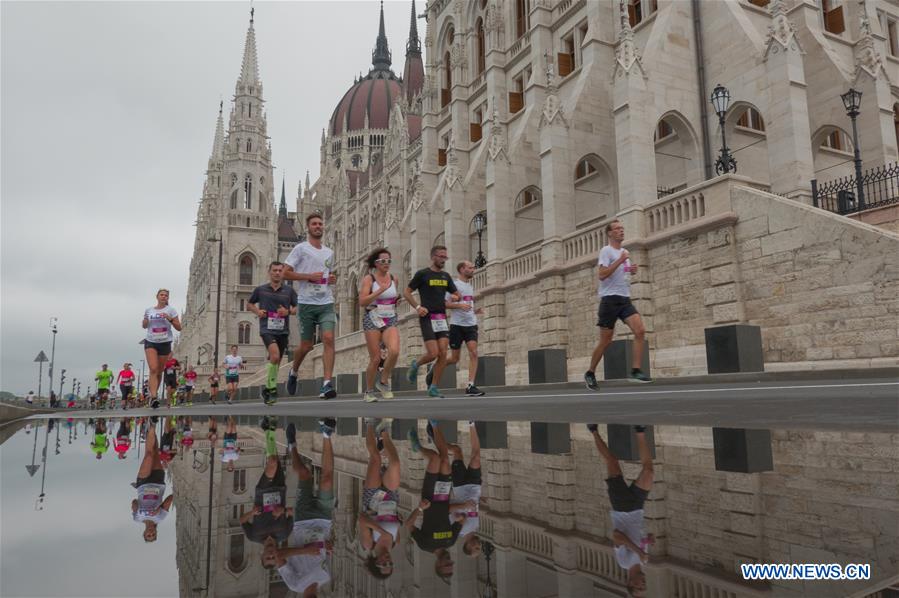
(437, 283)
(442, 535)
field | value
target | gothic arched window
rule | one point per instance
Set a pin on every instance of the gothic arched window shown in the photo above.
(249, 146)
(247, 193)
(246, 269)
(243, 333)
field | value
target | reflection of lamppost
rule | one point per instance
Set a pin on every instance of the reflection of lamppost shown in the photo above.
(32, 469)
(721, 100)
(52, 352)
(488, 550)
(852, 101)
(218, 299)
(480, 224)
(39, 505)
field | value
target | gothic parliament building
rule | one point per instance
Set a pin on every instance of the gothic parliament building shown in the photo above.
(549, 117)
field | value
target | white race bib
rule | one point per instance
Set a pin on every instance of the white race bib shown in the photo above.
(438, 323)
(158, 334)
(386, 510)
(386, 311)
(270, 500)
(442, 490)
(275, 323)
(376, 319)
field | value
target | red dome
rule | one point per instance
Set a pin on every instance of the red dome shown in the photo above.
(374, 95)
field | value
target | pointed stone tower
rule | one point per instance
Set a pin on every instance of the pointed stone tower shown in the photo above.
(239, 208)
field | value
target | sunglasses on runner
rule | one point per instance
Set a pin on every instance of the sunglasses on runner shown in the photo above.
(384, 260)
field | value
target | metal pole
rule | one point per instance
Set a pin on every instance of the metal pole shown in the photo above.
(860, 188)
(209, 518)
(52, 351)
(40, 376)
(218, 311)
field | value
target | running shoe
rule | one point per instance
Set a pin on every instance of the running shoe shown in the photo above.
(271, 399)
(473, 391)
(414, 443)
(429, 377)
(154, 404)
(384, 389)
(412, 374)
(267, 423)
(385, 424)
(369, 396)
(639, 376)
(590, 380)
(291, 433)
(434, 392)
(230, 402)
(593, 428)
(327, 426)
(327, 391)
(291, 383)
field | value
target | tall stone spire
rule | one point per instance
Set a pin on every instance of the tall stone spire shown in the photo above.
(380, 56)
(414, 43)
(218, 144)
(282, 207)
(249, 70)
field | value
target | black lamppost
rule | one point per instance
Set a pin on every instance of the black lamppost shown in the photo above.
(488, 550)
(852, 100)
(52, 352)
(480, 225)
(218, 298)
(721, 101)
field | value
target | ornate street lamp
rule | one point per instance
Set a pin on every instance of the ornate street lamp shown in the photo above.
(480, 225)
(721, 101)
(852, 101)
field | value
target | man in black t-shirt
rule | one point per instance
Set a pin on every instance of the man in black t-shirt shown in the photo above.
(432, 284)
(273, 303)
(436, 533)
(269, 516)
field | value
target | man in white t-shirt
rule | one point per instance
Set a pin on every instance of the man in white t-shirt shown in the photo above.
(232, 364)
(615, 270)
(312, 263)
(304, 564)
(464, 326)
(630, 540)
(30, 398)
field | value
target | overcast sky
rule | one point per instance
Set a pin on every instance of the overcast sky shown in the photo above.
(108, 116)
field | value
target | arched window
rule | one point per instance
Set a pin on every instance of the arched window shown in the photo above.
(356, 160)
(236, 553)
(527, 196)
(521, 17)
(250, 109)
(446, 93)
(583, 169)
(248, 193)
(837, 140)
(240, 481)
(249, 146)
(246, 269)
(482, 47)
(594, 191)
(751, 119)
(243, 333)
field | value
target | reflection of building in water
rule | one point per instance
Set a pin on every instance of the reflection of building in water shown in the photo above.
(235, 568)
(830, 498)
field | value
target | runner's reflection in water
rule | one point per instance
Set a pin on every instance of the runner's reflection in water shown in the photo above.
(100, 443)
(379, 522)
(467, 492)
(150, 507)
(122, 440)
(303, 565)
(437, 533)
(167, 445)
(268, 521)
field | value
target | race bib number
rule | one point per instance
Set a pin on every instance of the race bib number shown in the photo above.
(387, 511)
(232, 371)
(376, 319)
(468, 299)
(438, 323)
(270, 500)
(441, 491)
(158, 334)
(386, 310)
(275, 322)
(150, 495)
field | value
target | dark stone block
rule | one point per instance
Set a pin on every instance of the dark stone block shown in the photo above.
(618, 359)
(547, 365)
(347, 426)
(550, 439)
(308, 388)
(398, 380)
(493, 435)
(742, 451)
(491, 371)
(308, 424)
(622, 442)
(450, 430)
(401, 427)
(347, 384)
(734, 348)
(448, 377)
